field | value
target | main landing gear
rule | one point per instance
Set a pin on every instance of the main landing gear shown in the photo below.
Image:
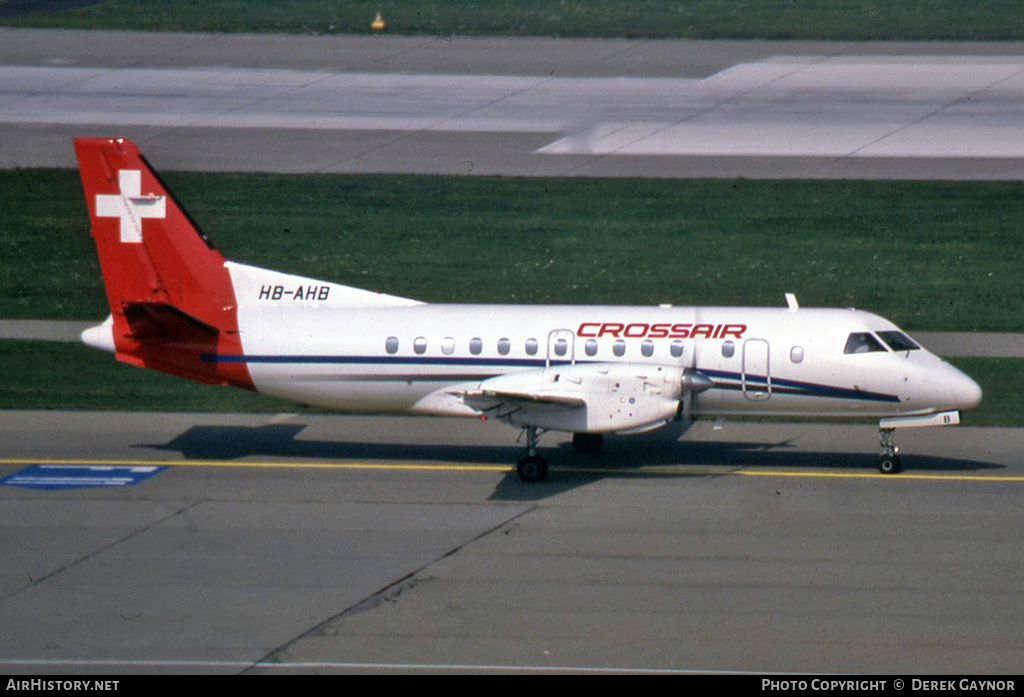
(532, 468)
(888, 461)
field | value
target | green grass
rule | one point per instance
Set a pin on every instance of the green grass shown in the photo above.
(1001, 380)
(51, 375)
(931, 256)
(48, 375)
(977, 20)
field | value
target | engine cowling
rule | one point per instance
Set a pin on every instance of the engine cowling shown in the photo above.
(589, 398)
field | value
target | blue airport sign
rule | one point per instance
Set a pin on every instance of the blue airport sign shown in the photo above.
(44, 476)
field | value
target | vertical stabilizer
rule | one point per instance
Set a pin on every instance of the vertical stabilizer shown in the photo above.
(171, 299)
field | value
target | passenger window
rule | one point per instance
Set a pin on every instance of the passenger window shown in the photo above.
(591, 347)
(391, 345)
(561, 347)
(419, 345)
(647, 348)
(676, 349)
(476, 345)
(898, 341)
(531, 347)
(448, 346)
(796, 354)
(619, 347)
(862, 342)
(728, 349)
(504, 346)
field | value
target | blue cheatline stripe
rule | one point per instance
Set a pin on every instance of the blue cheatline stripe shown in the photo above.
(779, 386)
(384, 360)
(799, 389)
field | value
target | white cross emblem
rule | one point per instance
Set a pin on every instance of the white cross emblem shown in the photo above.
(130, 205)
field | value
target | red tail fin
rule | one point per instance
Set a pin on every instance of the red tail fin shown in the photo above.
(169, 292)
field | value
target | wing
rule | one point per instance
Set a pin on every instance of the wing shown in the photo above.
(587, 398)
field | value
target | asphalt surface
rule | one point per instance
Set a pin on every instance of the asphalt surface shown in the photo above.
(336, 544)
(529, 107)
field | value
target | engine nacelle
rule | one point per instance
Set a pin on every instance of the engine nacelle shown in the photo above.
(589, 398)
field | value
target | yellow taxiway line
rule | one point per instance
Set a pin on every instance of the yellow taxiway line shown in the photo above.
(249, 464)
(667, 471)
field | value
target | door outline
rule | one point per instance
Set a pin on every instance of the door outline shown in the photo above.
(757, 360)
(570, 355)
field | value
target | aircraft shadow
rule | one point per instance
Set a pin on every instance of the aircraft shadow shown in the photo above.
(624, 456)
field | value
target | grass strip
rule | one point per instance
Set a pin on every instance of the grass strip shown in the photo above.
(983, 20)
(931, 256)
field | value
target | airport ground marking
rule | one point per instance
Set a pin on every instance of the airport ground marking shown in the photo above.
(250, 464)
(440, 467)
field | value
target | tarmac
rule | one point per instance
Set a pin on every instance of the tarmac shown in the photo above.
(520, 107)
(345, 544)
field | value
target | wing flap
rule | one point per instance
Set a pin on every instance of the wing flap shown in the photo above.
(523, 399)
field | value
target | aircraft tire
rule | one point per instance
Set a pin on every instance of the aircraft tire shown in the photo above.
(532, 469)
(889, 464)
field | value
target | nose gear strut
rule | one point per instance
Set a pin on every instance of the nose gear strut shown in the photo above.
(888, 461)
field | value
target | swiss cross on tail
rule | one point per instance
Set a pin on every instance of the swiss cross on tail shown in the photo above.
(169, 292)
(130, 205)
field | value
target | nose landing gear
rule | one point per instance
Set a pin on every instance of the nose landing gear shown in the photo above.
(888, 461)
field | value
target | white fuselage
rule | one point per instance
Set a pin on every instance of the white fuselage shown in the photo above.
(418, 358)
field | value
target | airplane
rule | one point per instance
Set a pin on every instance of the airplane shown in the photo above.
(178, 306)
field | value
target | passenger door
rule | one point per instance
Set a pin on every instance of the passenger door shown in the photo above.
(757, 380)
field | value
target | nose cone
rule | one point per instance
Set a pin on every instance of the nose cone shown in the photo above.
(966, 392)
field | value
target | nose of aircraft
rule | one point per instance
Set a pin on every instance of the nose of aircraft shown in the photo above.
(966, 392)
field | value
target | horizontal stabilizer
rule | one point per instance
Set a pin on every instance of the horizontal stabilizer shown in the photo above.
(160, 322)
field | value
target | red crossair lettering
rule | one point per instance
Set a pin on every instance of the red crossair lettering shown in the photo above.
(680, 331)
(704, 330)
(734, 330)
(640, 330)
(659, 331)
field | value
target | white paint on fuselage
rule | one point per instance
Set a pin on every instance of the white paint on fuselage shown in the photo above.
(336, 357)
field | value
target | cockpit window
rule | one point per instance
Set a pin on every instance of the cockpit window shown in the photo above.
(862, 342)
(898, 341)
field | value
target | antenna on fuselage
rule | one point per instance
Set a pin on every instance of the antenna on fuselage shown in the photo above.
(791, 301)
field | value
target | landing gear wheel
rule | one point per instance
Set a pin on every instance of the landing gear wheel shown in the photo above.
(587, 443)
(888, 461)
(532, 469)
(889, 464)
